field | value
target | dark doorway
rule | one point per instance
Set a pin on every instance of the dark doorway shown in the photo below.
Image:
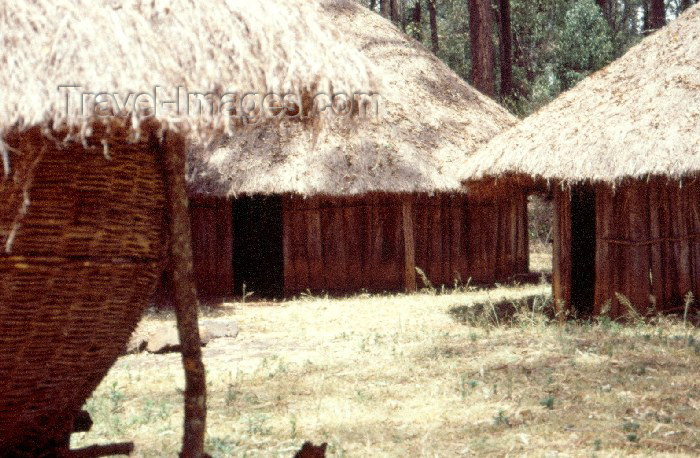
(582, 250)
(257, 246)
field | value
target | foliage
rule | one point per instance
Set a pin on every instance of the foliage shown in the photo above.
(584, 43)
(555, 42)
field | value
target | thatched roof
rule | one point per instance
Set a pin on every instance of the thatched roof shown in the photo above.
(636, 118)
(130, 46)
(430, 121)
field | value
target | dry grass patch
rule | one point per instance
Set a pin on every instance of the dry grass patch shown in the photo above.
(409, 376)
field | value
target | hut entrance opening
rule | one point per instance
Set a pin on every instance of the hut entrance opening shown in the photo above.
(257, 246)
(583, 249)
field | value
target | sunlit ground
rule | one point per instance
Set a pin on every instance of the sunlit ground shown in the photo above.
(426, 374)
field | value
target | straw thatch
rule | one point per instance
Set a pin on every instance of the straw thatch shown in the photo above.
(129, 46)
(636, 118)
(430, 121)
(82, 233)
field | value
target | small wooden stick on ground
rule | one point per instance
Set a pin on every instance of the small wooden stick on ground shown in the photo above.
(94, 451)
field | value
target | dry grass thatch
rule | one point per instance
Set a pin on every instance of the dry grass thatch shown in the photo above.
(429, 122)
(129, 46)
(638, 117)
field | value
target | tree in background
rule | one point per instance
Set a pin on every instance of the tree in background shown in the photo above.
(584, 44)
(552, 45)
(432, 12)
(684, 5)
(482, 50)
(505, 50)
(657, 14)
(417, 23)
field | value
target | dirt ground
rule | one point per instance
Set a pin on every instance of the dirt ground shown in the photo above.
(426, 374)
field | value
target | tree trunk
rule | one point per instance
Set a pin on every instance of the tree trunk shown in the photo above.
(394, 11)
(604, 7)
(480, 28)
(645, 17)
(185, 296)
(657, 14)
(432, 11)
(372, 4)
(685, 4)
(506, 43)
(384, 8)
(417, 22)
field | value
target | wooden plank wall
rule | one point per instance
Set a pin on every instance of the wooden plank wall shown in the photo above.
(212, 247)
(343, 245)
(561, 255)
(648, 244)
(459, 237)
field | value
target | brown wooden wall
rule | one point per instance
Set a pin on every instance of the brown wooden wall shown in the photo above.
(458, 237)
(212, 247)
(561, 250)
(372, 242)
(343, 245)
(647, 245)
(348, 244)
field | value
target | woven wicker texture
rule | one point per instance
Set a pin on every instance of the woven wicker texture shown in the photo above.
(81, 239)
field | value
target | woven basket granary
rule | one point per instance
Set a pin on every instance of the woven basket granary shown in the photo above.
(82, 227)
(83, 234)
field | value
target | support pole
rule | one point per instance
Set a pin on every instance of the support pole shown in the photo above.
(561, 253)
(185, 296)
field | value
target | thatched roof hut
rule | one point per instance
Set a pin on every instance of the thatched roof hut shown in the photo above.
(636, 118)
(338, 208)
(129, 46)
(429, 121)
(91, 192)
(622, 151)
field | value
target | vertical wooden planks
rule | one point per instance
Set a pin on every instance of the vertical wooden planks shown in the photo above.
(656, 258)
(408, 244)
(667, 246)
(561, 263)
(476, 240)
(299, 256)
(693, 194)
(511, 238)
(225, 217)
(524, 235)
(314, 249)
(681, 225)
(638, 287)
(286, 247)
(212, 246)
(489, 248)
(333, 236)
(420, 232)
(352, 225)
(604, 259)
(458, 264)
(376, 231)
(619, 230)
(434, 264)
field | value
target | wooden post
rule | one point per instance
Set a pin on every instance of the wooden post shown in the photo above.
(639, 286)
(286, 248)
(524, 234)
(185, 296)
(561, 262)
(605, 253)
(408, 244)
